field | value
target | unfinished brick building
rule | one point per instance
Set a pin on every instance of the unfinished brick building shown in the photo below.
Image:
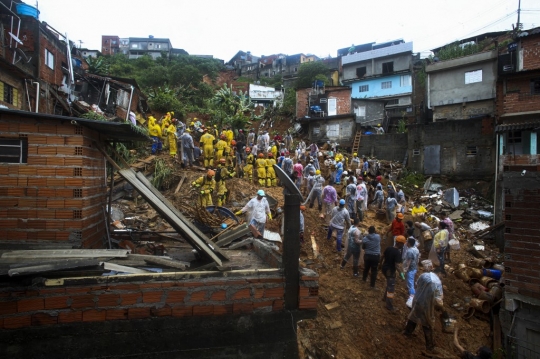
(518, 190)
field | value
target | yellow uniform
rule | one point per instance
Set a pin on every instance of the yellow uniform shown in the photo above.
(207, 142)
(270, 173)
(171, 136)
(261, 171)
(222, 191)
(248, 168)
(154, 129)
(165, 123)
(274, 151)
(229, 136)
(205, 186)
(220, 147)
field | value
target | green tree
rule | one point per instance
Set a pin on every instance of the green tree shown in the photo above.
(97, 65)
(311, 71)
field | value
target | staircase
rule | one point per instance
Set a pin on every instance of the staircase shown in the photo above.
(356, 142)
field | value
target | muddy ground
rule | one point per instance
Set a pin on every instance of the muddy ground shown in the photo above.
(361, 326)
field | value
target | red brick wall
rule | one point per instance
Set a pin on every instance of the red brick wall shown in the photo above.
(60, 190)
(521, 218)
(343, 96)
(146, 296)
(531, 52)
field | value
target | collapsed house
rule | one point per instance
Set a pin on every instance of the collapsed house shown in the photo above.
(58, 279)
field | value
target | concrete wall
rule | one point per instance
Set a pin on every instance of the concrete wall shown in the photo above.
(237, 314)
(390, 147)
(318, 131)
(402, 62)
(463, 111)
(374, 111)
(446, 80)
(375, 87)
(454, 137)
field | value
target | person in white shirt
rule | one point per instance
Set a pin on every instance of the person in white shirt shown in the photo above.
(258, 209)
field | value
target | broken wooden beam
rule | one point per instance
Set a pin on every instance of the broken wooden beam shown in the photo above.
(245, 242)
(314, 247)
(236, 233)
(180, 184)
(166, 263)
(123, 269)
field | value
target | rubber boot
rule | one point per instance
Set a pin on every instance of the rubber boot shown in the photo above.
(409, 328)
(343, 263)
(428, 334)
(355, 271)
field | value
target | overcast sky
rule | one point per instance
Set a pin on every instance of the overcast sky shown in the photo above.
(223, 27)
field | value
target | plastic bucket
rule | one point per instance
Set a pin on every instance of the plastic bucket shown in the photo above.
(493, 273)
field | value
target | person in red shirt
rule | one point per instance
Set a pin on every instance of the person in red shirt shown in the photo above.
(397, 228)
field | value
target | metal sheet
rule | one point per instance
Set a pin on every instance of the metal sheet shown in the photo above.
(287, 182)
(272, 236)
(67, 253)
(170, 214)
(432, 160)
(44, 267)
(124, 269)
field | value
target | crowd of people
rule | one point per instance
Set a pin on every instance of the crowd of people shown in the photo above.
(344, 185)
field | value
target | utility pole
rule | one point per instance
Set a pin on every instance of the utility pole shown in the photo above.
(518, 26)
(81, 42)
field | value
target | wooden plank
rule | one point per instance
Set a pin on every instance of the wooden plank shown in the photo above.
(67, 253)
(179, 184)
(169, 213)
(314, 247)
(124, 269)
(331, 306)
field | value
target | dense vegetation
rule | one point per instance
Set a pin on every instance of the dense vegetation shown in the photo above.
(186, 84)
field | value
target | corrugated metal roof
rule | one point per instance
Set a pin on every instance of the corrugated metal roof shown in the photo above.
(373, 54)
(518, 126)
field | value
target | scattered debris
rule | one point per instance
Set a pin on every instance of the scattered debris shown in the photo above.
(332, 306)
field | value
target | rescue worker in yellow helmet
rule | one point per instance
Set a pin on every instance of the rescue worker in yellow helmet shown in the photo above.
(222, 174)
(171, 136)
(216, 132)
(207, 142)
(165, 123)
(220, 147)
(261, 169)
(270, 173)
(154, 130)
(355, 164)
(206, 186)
(250, 161)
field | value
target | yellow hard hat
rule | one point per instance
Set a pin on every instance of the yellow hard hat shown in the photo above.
(192, 123)
(188, 130)
(195, 118)
(318, 172)
(379, 124)
(355, 154)
(172, 112)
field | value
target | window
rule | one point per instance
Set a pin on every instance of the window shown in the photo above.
(316, 130)
(11, 94)
(360, 71)
(472, 151)
(332, 130)
(13, 150)
(134, 46)
(405, 80)
(158, 46)
(295, 69)
(473, 76)
(392, 102)
(364, 88)
(113, 42)
(49, 59)
(416, 152)
(388, 67)
(386, 85)
(360, 111)
(535, 87)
